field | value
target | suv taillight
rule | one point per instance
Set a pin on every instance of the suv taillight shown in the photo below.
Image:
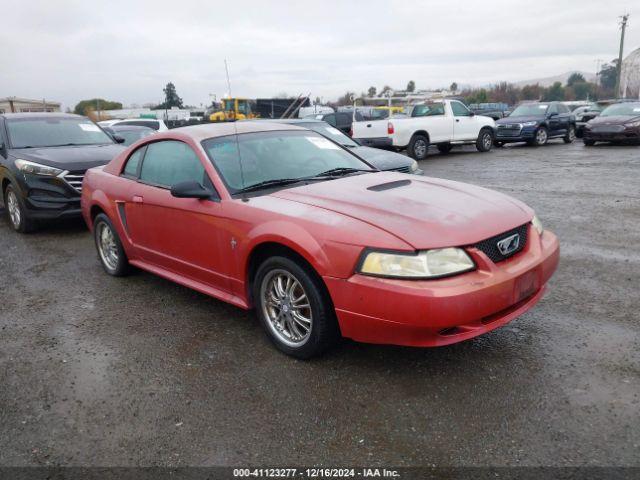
(390, 128)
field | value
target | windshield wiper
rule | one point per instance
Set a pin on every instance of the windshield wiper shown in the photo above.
(340, 171)
(276, 182)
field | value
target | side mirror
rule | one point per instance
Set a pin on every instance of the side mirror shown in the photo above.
(190, 189)
(118, 139)
(471, 114)
(551, 115)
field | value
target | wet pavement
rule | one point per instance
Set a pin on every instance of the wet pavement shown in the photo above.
(96, 370)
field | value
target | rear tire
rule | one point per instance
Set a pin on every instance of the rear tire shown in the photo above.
(588, 143)
(444, 148)
(110, 252)
(300, 328)
(485, 140)
(418, 148)
(570, 136)
(17, 214)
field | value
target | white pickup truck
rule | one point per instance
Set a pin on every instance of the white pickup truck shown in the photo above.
(443, 123)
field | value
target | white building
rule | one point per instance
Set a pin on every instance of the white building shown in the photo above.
(18, 105)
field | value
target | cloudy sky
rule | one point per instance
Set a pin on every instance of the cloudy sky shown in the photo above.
(128, 50)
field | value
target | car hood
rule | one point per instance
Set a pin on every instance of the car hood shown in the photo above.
(614, 120)
(422, 211)
(520, 119)
(70, 158)
(382, 159)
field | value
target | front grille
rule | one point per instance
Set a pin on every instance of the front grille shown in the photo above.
(608, 129)
(490, 246)
(406, 169)
(75, 180)
(508, 130)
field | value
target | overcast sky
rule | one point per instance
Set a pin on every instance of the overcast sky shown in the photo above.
(128, 50)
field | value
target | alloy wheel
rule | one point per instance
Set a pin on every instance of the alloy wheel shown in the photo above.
(14, 209)
(286, 307)
(541, 136)
(420, 148)
(107, 247)
(487, 141)
(572, 134)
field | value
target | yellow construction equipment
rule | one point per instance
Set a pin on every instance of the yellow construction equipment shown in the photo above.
(233, 109)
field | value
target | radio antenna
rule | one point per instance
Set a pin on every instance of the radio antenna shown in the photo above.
(235, 126)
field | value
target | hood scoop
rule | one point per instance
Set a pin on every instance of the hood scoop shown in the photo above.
(389, 185)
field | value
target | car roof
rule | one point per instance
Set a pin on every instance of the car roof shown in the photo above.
(292, 121)
(211, 130)
(40, 115)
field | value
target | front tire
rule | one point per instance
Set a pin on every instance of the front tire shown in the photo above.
(110, 252)
(485, 140)
(418, 148)
(588, 143)
(16, 212)
(541, 137)
(570, 136)
(294, 308)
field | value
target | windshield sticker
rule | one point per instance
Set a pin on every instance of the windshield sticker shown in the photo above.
(323, 143)
(636, 109)
(542, 106)
(89, 127)
(333, 131)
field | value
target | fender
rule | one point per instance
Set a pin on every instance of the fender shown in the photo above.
(296, 238)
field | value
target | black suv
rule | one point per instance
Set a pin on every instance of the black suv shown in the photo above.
(43, 158)
(535, 123)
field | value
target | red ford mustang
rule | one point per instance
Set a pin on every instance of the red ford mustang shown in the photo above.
(284, 220)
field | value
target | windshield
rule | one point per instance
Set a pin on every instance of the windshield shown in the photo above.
(275, 155)
(624, 109)
(530, 110)
(54, 132)
(327, 130)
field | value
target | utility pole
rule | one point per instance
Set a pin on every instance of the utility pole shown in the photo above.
(623, 24)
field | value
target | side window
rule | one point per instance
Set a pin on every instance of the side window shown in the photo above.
(428, 110)
(170, 162)
(459, 110)
(331, 120)
(131, 168)
(564, 108)
(344, 119)
(553, 108)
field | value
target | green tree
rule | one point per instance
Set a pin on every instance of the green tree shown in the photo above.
(583, 90)
(554, 92)
(85, 106)
(608, 74)
(372, 91)
(346, 98)
(171, 98)
(385, 89)
(453, 87)
(411, 86)
(531, 92)
(575, 77)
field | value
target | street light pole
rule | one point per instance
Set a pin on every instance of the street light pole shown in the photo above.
(623, 23)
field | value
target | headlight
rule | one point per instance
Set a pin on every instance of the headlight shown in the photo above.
(537, 224)
(426, 264)
(36, 169)
(414, 166)
(632, 124)
(529, 124)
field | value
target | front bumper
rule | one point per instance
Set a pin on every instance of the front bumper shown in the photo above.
(524, 135)
(48, 198)
(440, 312)
(626, 135)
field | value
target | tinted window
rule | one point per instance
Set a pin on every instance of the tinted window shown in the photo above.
(131, 169)
(54, 132)
(428, 110)
(344, 119)
(553, 108)
(459, 110)
(275, 155)
(562, 108)
(330, 119)
(530, 109)
(132, 136)
(171, 162)
(624, 109)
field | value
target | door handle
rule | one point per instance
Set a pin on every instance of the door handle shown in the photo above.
(457, 119)
(369, 125)
(138, 199)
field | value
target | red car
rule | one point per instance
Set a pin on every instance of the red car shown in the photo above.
(281, 219)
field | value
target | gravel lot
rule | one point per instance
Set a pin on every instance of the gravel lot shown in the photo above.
(104, 371)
